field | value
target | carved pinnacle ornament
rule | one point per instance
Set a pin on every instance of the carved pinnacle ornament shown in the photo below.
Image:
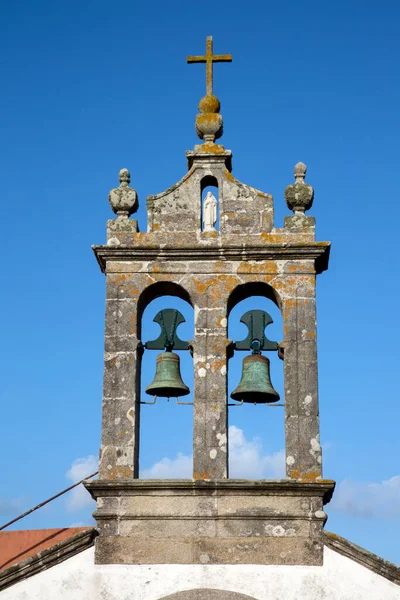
(299, 195)
(123, 199)
(209, 123)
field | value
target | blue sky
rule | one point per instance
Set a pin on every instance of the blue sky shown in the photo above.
(90, 87)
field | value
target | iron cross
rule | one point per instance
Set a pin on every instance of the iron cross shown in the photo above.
(209, 58)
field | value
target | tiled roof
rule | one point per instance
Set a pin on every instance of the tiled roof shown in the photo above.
(25, 553)
(16, 546)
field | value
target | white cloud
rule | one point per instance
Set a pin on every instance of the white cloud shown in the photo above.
(246, 461)
(79, 498)
(11, 506)
(368, 499)
(177, 468)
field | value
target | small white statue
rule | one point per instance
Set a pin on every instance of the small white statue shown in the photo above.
(209, 212)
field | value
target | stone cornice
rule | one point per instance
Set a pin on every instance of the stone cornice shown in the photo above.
(277, 487)
(363, 557)
(48, 558)
(317, 251)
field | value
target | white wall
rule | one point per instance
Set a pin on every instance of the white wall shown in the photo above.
(79, 579)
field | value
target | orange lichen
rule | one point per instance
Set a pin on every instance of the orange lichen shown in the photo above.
(119, 472)
(229, 176)
(217, 288)
(210, 148)
(269, 266)
(216, 365)
(204, 475)
(304, 477)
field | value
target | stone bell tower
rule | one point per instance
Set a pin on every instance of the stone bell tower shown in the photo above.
(210, 518)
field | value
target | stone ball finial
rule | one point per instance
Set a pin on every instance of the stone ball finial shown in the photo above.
(209, 104)
(209, 123)
(300, 171)
(123, 199)
(299, 195)
(124, 176)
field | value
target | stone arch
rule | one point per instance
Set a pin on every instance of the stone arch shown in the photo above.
(207, 594)
(208, 181)
(146, 360)
(157, 290)
(253, 288)
(255, 295)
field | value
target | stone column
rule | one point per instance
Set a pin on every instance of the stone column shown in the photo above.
(303, 450)
(210, 438)
(122, 359)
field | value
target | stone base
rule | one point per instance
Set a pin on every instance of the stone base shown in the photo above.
(299, 222)
(227, 521)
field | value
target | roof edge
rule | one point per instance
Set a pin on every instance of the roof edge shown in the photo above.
(48, 558)
(367, 559)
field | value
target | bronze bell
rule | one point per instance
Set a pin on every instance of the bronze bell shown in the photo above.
(255, 385)
(167, 380)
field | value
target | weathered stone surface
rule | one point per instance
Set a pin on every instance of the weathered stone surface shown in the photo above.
(243, 210)
(262, 551)
(299, 222)
(120, 231)
(299, 195)
(123, 199)
(213, 271)
(230, 521)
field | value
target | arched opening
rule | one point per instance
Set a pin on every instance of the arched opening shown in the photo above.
(253, 288)
(166, 428)
(256, 432)
(210, 206)
(207, 594)
(156, 290)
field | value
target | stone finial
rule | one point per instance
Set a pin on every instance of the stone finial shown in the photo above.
(123, 199)
(300, 171)
(299, 195)
(209, 123)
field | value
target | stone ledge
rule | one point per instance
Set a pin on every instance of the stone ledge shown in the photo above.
(265, 487)
(363, 557)
(47, 558)
(317, 251)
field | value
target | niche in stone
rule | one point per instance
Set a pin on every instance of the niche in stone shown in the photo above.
(166, 427)
(256, 429)
(210, 204)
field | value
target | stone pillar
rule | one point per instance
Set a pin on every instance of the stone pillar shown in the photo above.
(210, 438)
(122, 359)
(303, 450)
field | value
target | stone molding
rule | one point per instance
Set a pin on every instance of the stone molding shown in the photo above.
(319, 252)
(363, 557)
(289, 487)
(218, 521)
(48, 558)
(209, 153)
